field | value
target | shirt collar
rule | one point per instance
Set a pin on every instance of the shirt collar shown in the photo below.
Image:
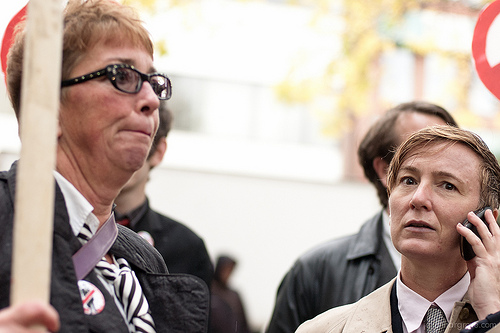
(135, 215)
(386, 235)
(79, 209)
(413, 307)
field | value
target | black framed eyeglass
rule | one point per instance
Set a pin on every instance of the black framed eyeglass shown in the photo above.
(128, 79)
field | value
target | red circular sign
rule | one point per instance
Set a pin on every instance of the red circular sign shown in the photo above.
(8, 37)
(489, 75)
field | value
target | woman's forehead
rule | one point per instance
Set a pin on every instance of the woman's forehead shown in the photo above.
(451, 156)
(103, 54)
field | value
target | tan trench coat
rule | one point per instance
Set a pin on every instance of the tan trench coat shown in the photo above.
(372, 314)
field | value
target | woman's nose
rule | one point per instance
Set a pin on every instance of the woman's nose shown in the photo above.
(421, 197)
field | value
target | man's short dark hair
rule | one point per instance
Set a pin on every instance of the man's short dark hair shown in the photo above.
(382, 139)
(165, 124)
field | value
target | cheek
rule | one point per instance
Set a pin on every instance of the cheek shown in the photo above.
(74, 106)
(91, 100)
(396, 202)
(82, 118)
(450, 220)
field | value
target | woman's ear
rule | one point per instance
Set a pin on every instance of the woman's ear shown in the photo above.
(495, 213)
(381, 168)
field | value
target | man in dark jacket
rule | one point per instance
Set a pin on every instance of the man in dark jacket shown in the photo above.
(182, 249)
(343, 270)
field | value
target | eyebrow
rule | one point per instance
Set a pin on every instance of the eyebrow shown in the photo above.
(434, 173)
(131, 62)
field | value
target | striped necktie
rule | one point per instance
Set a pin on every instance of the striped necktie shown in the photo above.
(127, 289)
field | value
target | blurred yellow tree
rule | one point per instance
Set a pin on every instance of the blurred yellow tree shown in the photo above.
(151, 7)
(346, 90)
(350, 82)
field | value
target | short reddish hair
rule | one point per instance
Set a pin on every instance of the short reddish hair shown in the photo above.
(86, 23)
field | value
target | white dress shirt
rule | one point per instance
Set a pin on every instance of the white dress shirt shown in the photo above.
(386, 236)
(413, 307)
(80, 212)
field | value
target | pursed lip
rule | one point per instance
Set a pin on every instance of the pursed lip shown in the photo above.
(418, 224)
(144, 131)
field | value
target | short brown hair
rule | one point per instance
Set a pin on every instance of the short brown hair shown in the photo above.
(86, 23)
(164, 125)
(382, 139)
(490, 169)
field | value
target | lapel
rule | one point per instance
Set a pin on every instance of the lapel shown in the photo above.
(365, 314)
(366, 243)
(179, 303)
(65, 293)
(462, 315)
(495, 329)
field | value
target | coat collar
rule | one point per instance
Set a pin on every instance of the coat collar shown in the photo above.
(136, 251)
(61, 218)
(368, 238)
(362, 317)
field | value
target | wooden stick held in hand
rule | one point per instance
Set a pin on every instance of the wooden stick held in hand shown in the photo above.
(34, 202)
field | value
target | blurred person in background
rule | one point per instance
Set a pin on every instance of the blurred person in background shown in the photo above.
(227, 310)
(182, 249)
(343, 270)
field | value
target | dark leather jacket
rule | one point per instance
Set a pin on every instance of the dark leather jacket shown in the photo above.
(335, 273)
(182, 249)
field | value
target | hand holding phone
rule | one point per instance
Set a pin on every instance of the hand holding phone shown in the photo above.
(465, 247)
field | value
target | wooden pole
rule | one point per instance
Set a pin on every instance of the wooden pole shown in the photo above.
(34, 202)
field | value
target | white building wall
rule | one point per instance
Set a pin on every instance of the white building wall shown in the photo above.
(264, 223)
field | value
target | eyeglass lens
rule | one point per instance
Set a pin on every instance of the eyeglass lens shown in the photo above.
(127, 80)
(130, 81)
(160, 86)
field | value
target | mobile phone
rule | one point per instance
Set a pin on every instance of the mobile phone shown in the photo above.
(465, 247)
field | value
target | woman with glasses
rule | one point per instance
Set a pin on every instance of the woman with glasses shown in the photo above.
(108, 116)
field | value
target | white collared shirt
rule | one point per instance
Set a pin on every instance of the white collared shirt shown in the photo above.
(386, 236)
(79, 209)
(413, 307)
(80, 212)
